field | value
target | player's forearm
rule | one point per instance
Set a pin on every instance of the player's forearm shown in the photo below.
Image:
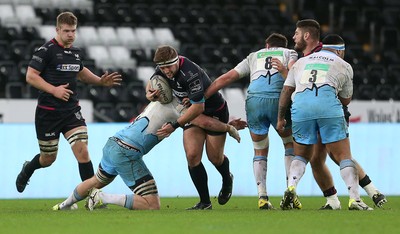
(192, 112)
(38, 82)
(210, 124)
(221, 82)
(284, 101)
(89, 77)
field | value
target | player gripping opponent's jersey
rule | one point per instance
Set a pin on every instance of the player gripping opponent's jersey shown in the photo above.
(265, 79)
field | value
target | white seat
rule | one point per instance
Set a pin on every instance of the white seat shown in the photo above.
(128, 37)
(122, 57)
(88, 35)
(7, 16)
(82, 4)
(101, 56)
(42, 4)
(164, 36)
(144, 73)
(57, 4)
(20, 2)
(3, 2)
(146, 37)
(108, 35)
(47, 32)
(235, 97)
(27, 16)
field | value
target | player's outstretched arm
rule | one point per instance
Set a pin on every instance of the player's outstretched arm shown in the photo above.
(212, 124)
(107, 79)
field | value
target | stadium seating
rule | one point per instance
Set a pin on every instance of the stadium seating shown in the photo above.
(122, 35)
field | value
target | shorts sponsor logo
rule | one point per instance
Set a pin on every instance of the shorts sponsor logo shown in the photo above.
(68, 67)
(50, 134)
(78, 115)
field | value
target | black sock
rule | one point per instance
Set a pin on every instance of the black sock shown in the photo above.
(32, 165)
(224, 171)
(86, 170)
(364, 181)
(200, 180)
(330, 191)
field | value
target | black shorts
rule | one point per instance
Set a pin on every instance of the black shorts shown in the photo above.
(222, 114)
(50, 123)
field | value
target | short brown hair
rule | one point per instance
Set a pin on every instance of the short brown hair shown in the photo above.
(311, 26)
(276, 40)
(164, 53)
(66, 18)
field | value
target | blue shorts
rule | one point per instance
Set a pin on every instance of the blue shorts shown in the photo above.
(263, 112)
(126, 163)
(330, 130)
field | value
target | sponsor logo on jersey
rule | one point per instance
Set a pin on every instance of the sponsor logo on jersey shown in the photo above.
(42, 48)
(180, 94)
(37, 58)
(67, 51)
(195, 86)
(68, 67)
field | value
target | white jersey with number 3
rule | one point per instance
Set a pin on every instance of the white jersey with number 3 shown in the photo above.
(318, 79)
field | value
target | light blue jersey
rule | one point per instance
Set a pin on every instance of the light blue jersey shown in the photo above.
(265, 86)
(142, 132)
(318, 80)
(123, 153)
(265, 80)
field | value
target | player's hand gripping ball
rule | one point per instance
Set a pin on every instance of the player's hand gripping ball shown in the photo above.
(160, 83)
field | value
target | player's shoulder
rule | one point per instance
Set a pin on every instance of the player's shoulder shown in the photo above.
(77, 49)
(45, 47)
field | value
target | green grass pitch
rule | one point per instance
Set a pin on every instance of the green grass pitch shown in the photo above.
(240, 215)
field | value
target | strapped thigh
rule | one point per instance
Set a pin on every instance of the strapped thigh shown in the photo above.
(48, 147)
(103, 176)
(145, 186)
(78, 135)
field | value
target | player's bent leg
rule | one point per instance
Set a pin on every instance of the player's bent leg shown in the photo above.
(260, 166)
(365, 182)
(48, 154)
(323, 177)
(78, 139)
(215, 147)
(81, 191)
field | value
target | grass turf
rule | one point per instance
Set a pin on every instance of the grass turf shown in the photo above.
(240, 215)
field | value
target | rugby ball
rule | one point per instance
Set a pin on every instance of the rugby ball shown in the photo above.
(160, 83)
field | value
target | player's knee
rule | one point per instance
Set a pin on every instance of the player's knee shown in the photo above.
(287, 140)
(215, 157)
(263, 144)
(145, 186)
(154, 203)
(81, 152)
(48, 152)
(193, 159)
(102, 178)
(47, 160)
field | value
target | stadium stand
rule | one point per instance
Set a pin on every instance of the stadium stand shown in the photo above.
(121, 35)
